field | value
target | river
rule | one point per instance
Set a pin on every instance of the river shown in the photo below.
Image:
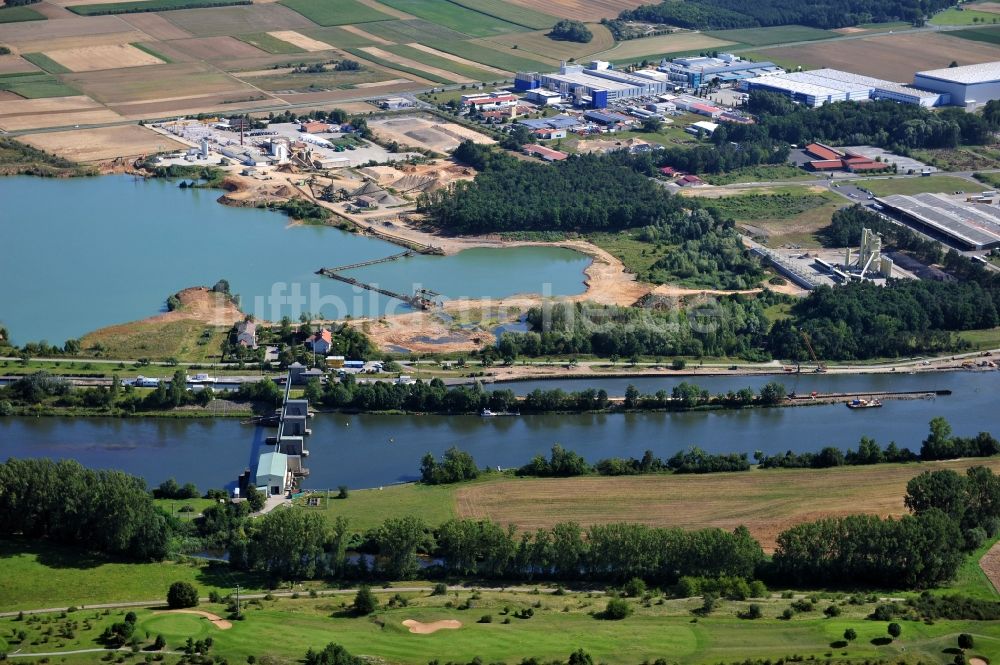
(373, 450)
(83, 253)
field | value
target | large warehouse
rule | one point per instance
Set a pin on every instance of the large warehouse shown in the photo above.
(597, 84)
(824, 86)
(968, 86)
(969, 225)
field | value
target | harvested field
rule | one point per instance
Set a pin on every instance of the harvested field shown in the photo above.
(355, 30)
(300, 40)
(155, 26)
(780, 34)
(51, 10)
(990, 563)
(767, 501)
(93, 58)
(68, 33)
(422, 132)
(18, 114)
(160, 82)
(892, 57)
(991, 7)
(268, 43)
(237, 20)
(581, 10)
(637, 49)
(40, 121)
(536, 43)
(102, 144)
(331, 80)
(337, 96)
(216, 48)
(193, 105)
(413, 64)
(15, 64)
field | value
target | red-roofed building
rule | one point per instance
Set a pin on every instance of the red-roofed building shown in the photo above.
(826, 165)
(669, 171)
(314, 127)
(823, 152)
(690, 181)
(490, 102)
(321, 341)
(706, 109)
(548, 154)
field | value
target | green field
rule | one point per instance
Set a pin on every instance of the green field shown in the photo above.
(412, 30)
(336, 12)
(455, 16)
(335, 36)
(35, 85)
(149, 6)
(18, 14)
(988, 35)
(502, 59)
(401, 68)
(305, 82)
(918, 185)
(762, 173)
(38, 575)
(146, 48)
(779, 34)
(442, 63)
(510, 12)
(282, 629)
(269, 43)
(45, 63)
(981, 339)
(367, 509)
(956, 16)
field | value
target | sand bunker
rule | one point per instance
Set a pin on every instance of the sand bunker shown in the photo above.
(421, 628)
(977, 661)
(216, 620)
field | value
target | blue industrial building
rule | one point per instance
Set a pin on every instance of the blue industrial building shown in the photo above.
(596, 85)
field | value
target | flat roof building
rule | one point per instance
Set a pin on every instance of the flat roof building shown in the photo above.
(969, 85)
(695, 72)
(594, 86)
(825, 86)
(970, 225)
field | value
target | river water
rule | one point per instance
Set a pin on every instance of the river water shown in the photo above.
(372, 450)
(83, 253)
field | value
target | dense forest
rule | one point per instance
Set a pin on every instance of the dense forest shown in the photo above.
(721, 14)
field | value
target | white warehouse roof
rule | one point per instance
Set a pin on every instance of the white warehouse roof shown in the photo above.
(984, 72)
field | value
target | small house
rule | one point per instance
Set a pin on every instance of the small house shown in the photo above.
(246, 334)
(272, 473)
(321, 341)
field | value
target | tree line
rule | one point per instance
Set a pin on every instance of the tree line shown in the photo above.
(826, 14)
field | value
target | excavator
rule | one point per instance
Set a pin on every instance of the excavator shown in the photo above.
(820, 367)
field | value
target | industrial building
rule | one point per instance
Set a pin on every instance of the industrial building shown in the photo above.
(596, 85)
(969, 225)
(825, 86)
(966, 86)
(695, 72)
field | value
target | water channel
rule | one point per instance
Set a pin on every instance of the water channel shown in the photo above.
(373, 450)
(83, 253)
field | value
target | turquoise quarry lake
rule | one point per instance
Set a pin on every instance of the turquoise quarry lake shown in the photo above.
(79, 254)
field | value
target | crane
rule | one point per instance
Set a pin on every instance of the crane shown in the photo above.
(820, 367)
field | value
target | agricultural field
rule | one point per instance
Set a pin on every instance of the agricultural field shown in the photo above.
(33, 86)
(104, 143)
(155, 83)
(656, 47)
(492, 55)
(410, 30)
(238, 20)
(589, 11)
(286, 81)
(143, 6)
(93, 58)
(269, 43)
(445, 64)
(765, 501)
(341, 12)
(985, 35)
(781, 34)
(280, 629)
(225, 49)
(45, 63)
(393, 63)
(512, 13)
(342, 37)
(454, 16)
(934, 184)
(891, 57)
(962, 16)
(367, 509)
(538, 44)
(19, 15)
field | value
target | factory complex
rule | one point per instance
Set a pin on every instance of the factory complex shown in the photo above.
(825, 86)
(971, 85)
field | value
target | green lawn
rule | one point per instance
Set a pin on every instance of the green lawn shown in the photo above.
(19, 14)
(34, 85)
(971, 580)
(510, 12)
(441, 63)
(918, 185)
(956, 16)
(39, 575)
(45, 62)
(455, 16)
(336, 12)
(367, 509)
(981, 339)
(149, 6)
(284, 628)
(269, 43)
(779, 34)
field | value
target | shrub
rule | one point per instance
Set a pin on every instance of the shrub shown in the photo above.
(181, 595)
(634, 588)
(788, 614)
(832, 611)
(850, 634)
(758, 589)
(616, 610)
(486, 618)
(966, 641)
(752, 612)
(364, 601)
(439, 589)
(895, 630)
